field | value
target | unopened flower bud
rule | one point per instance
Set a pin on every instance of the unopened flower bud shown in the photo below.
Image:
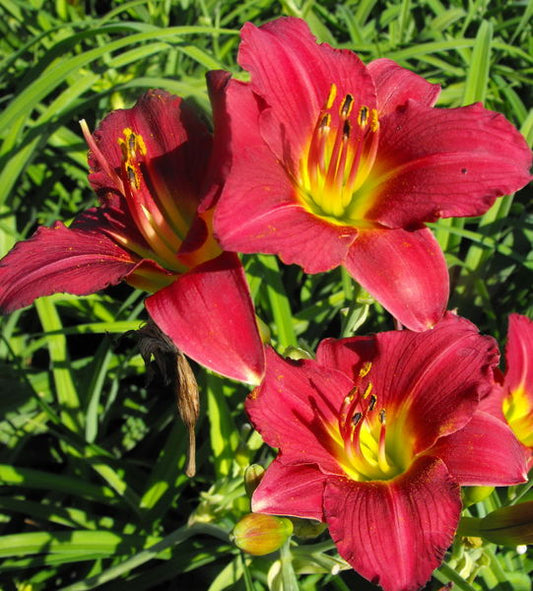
(475, 494)
(260, 534)
(297, 353)
(252, 477)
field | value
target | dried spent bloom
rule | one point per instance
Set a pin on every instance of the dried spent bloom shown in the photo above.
(330, 162)
(375, 438)
(150, 167)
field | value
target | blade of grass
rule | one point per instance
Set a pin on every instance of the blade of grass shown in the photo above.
(67, 396)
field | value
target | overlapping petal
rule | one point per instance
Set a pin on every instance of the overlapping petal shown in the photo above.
(396, 85)
(248, 224)
(395, 534)
(209, 315)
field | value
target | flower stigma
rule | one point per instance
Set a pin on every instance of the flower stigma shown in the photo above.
(338, 160)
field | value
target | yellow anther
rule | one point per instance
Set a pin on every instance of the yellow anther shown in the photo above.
(374, 120)
(346, 106)
(331, 96)
(367, 392)
(367, 365)
(130, 144)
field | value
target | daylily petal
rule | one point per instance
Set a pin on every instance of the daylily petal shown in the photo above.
(484, 452)
(519, 355)
(218, 86)
(293, 407)
(208, 314)
(79, 260)
(297, 92)
(435, 163)
(290, 490)
(434, 377)
(395, 533)
(405, 271)
(395, 85)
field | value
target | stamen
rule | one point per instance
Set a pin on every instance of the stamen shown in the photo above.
(132, 177)
(382, 452)
(362, 118)
(346, 106)
(331, 96)
(372, 403)
(356, 418)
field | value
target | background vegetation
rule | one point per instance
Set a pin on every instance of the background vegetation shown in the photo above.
(91, 464)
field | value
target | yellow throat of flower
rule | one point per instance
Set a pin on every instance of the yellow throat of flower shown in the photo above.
(365, 445)
(337, 162)
(518, 412)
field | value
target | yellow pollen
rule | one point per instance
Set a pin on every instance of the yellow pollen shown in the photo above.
(374, 121)
(331, 96)
(367, 366)
(368, 390)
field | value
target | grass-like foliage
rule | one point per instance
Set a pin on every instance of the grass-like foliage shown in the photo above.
(92, 458)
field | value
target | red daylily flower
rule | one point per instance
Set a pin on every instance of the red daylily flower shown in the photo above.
(512, 399)
(149, 166)
(375, 438)
(337, 163)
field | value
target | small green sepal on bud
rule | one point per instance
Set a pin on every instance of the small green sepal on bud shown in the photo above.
(252, 477)
(260, 534)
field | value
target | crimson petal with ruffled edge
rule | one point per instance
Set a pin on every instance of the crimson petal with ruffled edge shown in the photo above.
(484, 452)
(396, 85)
(79, 260)
(436, 163)
(395, 533)
(290, 490)
(405, 271)
(208, 314)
